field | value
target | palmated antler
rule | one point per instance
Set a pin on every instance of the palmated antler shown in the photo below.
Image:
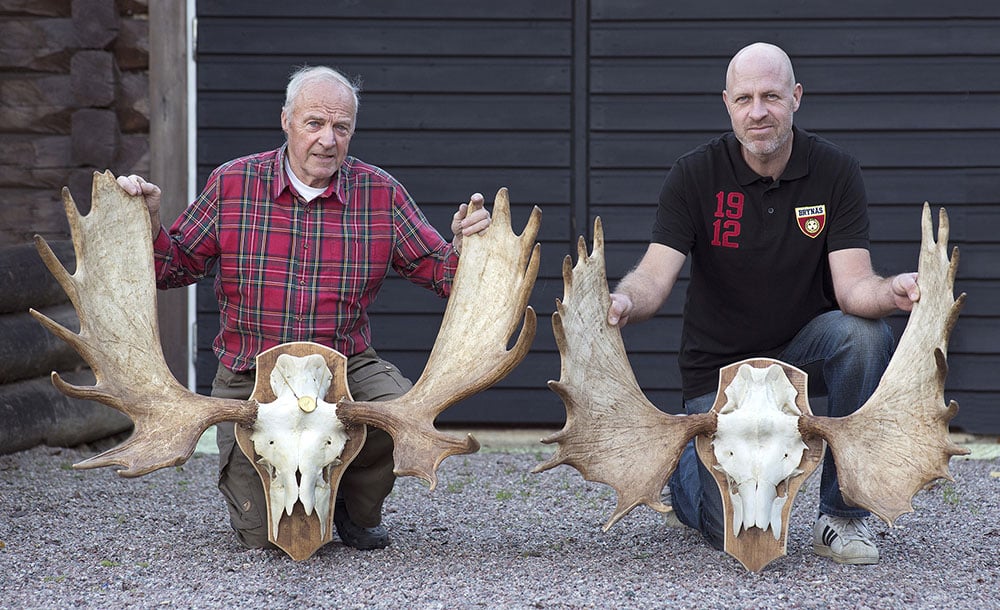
(885, 452)
(489, 297)
(897, 442)
(114, 295)
(613, 434)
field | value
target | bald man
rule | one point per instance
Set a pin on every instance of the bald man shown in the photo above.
(775, 221)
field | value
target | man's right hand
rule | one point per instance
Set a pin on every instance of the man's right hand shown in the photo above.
(621, 307)
(645, 288)
(138, 186)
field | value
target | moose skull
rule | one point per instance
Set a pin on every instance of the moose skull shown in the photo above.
(299, 438)
(758, 445)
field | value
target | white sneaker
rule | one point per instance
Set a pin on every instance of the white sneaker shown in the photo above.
(672, 520)
(844, 540)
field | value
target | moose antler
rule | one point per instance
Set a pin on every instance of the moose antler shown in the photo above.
(897, 442)
(114, 294)
(885, 452)
(490, 292)
(115, 298)
(613, 434)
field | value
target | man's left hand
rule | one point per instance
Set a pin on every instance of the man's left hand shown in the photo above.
(905, 291)
(470, 218)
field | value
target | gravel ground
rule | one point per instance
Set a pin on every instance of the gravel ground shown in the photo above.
(492, 535)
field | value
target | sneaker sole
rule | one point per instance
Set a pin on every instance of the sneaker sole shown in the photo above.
(825, 551)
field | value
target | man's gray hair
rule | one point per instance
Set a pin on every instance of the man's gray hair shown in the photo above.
(308, 74)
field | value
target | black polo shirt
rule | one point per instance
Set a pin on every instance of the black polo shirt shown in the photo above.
(759, 267)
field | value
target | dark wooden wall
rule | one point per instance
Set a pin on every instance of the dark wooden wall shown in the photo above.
(912, 92)
(458, 97)
(580, 107)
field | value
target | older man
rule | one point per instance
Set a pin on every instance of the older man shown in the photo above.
(304, 236)
(775, 221)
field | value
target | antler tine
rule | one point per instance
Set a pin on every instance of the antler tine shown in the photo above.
(941, 249)
(613, 434)
(489, 299)
(897, 442)
(114, 295)
(48, 256)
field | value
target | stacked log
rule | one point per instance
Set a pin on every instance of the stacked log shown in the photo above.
(32, 411)
(74, 99)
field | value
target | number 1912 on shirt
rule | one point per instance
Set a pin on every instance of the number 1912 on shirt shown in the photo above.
(728, 211)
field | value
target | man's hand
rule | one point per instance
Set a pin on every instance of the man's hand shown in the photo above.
(644, 289)
(621, 307)
(905, 291)
(138, 186)
(470, 218)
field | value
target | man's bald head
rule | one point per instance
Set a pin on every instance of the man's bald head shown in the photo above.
(760, 55)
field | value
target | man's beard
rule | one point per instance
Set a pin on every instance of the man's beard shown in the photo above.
(763, 148)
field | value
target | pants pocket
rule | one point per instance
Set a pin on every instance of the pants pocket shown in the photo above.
(370, 378)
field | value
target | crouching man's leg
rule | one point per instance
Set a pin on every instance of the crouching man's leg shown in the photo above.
(853, 354)
(694, 493)
(238, 479)
(369, 478)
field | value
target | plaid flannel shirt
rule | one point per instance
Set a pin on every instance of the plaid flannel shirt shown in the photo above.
(295, 271)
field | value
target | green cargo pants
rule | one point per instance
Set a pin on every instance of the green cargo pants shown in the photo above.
(366, 482)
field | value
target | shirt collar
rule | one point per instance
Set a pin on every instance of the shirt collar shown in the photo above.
(337, 190)
(798, 163)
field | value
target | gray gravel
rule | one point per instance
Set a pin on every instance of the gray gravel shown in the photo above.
(491, 536)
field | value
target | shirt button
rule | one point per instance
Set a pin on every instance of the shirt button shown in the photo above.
(770, 210)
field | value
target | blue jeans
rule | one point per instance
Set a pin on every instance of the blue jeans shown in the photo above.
(852, 353)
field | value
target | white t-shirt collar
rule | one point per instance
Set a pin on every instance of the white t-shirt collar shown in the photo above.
(308, 193)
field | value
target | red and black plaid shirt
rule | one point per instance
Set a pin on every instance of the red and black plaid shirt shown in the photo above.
(296, 271)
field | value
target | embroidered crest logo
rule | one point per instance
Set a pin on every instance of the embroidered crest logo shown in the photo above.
(811, 219)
